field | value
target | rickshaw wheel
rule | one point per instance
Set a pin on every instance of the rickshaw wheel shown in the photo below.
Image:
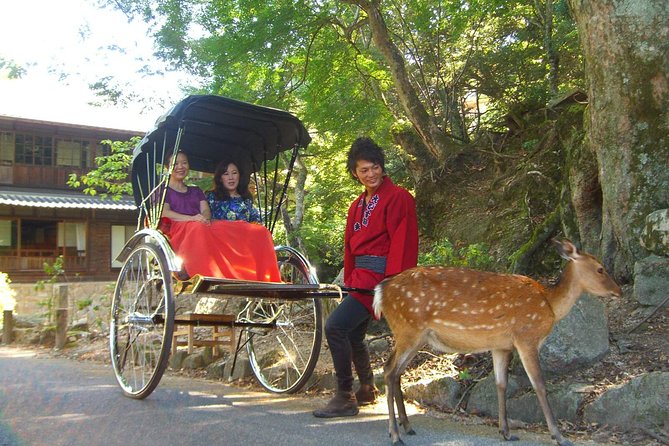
(284, 357)
(142, 321)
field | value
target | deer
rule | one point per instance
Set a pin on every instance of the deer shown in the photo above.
(461, 310)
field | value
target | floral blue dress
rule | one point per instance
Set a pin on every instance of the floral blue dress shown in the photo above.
(234, 208)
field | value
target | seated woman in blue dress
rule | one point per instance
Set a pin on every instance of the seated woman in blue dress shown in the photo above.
(231, 198)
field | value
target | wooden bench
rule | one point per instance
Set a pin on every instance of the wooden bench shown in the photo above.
(223, 331)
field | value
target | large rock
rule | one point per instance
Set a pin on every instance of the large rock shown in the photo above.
(522, 403)
(443, 392)
(650, 280)
(642, 402)
(578, 340)
(483, 396)
(563, 399)
(655, 234)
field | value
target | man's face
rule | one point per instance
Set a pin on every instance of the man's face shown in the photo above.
(369, 174)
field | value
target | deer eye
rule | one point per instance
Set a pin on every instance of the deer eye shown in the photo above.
(600, 270)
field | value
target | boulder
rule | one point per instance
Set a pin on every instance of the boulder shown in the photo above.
(443, 392)
(483, 396)
(642, 402)
(579, 340)
(650, 280)
(655, 234)
(522, 403)
(564, 401)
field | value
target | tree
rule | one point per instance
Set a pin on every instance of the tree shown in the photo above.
(622, 167)
(431, 77)
(110, 177)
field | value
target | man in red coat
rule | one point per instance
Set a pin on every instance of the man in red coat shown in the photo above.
(381, 240)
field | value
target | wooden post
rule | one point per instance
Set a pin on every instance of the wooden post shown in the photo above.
(60, 300)
(8, 326)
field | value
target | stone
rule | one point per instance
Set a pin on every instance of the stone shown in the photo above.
(222, 368)
(579, 340)
(564, 401)
(483, 396)
(379, 346)
(642, 402)
(177, 359)
(193, 361)
(442, 392)
(650, 280)
(522, 403)
(655, 234)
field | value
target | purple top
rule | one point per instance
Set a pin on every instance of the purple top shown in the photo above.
(187, 203)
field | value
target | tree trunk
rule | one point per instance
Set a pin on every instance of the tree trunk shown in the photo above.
(626, 50)
(293, 225)
(426, 126)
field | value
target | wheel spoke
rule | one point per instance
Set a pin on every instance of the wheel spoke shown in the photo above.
(283, 357)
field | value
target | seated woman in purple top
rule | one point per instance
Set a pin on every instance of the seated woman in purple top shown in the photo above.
(182, 202)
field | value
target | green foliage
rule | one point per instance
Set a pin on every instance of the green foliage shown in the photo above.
(11, 69)
(445, 253)
(474, 66)
(111, 175)
(84, 303)
(465, 374)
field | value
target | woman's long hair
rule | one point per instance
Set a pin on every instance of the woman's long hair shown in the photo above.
(220, 192)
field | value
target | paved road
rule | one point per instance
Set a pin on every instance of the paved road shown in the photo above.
(55, 401)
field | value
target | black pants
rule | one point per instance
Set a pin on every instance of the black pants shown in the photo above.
(345, 331)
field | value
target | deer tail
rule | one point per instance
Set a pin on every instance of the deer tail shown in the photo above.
(377, 305)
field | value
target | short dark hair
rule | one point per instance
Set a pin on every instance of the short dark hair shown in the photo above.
(365, 149)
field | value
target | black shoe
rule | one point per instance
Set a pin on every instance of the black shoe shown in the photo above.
(366, 394)
(343, 404)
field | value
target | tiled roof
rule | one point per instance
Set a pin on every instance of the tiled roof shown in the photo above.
(72, 200)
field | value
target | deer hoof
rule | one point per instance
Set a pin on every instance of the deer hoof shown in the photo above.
(411, 432)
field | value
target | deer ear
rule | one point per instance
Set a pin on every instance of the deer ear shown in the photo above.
(566, 249)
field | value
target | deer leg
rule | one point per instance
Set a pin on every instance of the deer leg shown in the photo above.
(500, 360)
(404, 352)
(402, 362)
(391, 376)
(530, 359)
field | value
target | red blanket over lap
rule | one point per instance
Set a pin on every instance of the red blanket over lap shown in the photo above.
(225, 249)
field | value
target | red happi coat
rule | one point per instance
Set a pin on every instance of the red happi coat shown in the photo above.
(386, 226)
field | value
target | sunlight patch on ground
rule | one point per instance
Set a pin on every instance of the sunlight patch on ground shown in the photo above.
(13, 353)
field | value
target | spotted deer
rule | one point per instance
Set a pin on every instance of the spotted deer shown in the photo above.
(464, 310)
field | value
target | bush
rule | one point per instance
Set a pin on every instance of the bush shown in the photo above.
(444, 253)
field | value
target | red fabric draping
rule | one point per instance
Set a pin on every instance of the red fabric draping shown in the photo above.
(225, 249)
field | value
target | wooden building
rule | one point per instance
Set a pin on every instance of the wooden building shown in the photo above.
(41, 218)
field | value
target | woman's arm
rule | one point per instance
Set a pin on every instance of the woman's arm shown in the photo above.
(201, 217)
(205, 210)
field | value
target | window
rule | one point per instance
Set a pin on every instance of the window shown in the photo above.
(119, 236)
(43, 238)
(8, 238)
(36, 150)
(6, 148)
(74, 153)
(72, 238)
(39, 238)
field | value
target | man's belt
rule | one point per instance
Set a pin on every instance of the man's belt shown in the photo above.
(372, 263)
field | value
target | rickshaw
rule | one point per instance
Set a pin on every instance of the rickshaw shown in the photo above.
(279, 324)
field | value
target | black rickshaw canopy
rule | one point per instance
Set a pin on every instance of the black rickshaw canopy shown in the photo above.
(211, 128)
